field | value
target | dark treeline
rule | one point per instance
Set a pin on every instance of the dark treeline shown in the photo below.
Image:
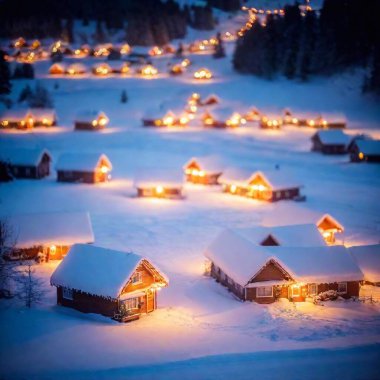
(149, 21)
(345, 34)
(225, 5)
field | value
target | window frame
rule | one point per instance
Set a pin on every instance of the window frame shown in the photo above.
(345, 285)
(264, 296)
(132, 303)
(67, 294)
(309, 286)
(298, 290)
(139, 275)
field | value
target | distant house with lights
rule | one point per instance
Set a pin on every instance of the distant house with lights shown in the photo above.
(27, 163)
(365, 150)
(76, 69)
(265, 274)
(271, 186)
(28, 118)
(203, 170)
(315, 120)
(159, 184)
(101, 69)
(91, 121)
(57, 69)
(83, 167)
(270, 121)
(162, 119)
(330, 142)
(48, 236)
(116, 284)
(224, 117)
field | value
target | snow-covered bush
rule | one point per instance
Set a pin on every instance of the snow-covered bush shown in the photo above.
(329, 295)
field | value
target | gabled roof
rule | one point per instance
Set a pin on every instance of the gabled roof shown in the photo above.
(98, 271)
(329, 219)
(162, 177)
(15, 114)
(23, 157)
(300, 235)
(81, 161)
(333, 137)
(58, 228)
(368, 147)
(211, 164)
(367, 258)
(88, 116)
(277, 179)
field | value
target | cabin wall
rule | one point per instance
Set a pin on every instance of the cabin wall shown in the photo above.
(23, 172)
(86, 126)
(75, 176)
(88, 304)
(226, 281)
(208, 179)
(167, 193)
(318, 146)
(284, 194)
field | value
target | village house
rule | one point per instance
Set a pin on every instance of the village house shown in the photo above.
(116, 284)
(57, 69)
(203, 74)
(333, 121)
(270, 121)
(42, 117)
(327, 225)
(90, 121)
(224, 117)
(176, 69)
(253, 114)
(270, 186)
(83, 167)
(296, 235)
(101, 69)
(28, 118)
(147, 71)
(159, 184)
(48, 236)
(330, 142)
(265, 274)
(203, 170)
(315, 120)
(27, 163)
(76, 69)
(159, 118)
(365, 150)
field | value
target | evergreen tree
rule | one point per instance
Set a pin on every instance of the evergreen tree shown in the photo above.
(40, 98)
(25, 94)
(5, 84)
(219, 51)
(124, 97)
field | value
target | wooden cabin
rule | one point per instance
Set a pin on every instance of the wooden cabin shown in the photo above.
(330, 142)
(83, 167)
(42, 117)
(201, 47)
(272, 186)
(76, 69)
(303, 119)
(120, 285)
(159, 184)
(102, 50)
(156, 118)
(270, 121)
(365, 150)
(19, 43)
(203, 170)
(48, 236)
(102, 69)
(91, 121)
(18, 118)
(147, 71)
(265, 274)
(27, 163)
(333, 121)
(57, 69)
(203, 74)
(176, 69)
(222, 118)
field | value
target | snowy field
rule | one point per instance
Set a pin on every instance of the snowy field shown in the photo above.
(200, 328)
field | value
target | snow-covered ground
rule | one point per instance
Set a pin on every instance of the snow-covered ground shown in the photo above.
(196, 317)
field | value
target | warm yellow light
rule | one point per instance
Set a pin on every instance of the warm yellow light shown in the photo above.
(203, 74)
(53, 249)
(183, 120)
(104, 169)
(5, 123)
(185, 62)
(149, 70)
(295, 120)
(202, 173)
(233, 188)
(159, 190)
(311, 123)
(102, 121)
(45, 121)
(195, 172)
(77, 51)
(94, 123)
(361, 155)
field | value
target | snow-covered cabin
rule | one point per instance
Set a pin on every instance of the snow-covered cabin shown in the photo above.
(365, 150)
(203, 170)
(209, 100)
(16, 118)
(43, 117)
(57, 69)
(147, 71)
(49, 235)
(270, 121)
(116, 284)
(264, 274)
(296, 235)
(83, 167)
(101, 69)
(159, 184)
(176, 69)
(270, 186)
(330, 142)
(76, 69)
(90, 120)
(168, 114)
(334, 120)
(203, 74)
(327, 225)
(302, 119)
(222, 117)
(27, 163)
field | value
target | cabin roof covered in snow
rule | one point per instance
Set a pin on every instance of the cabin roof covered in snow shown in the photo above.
(368, 259)
(97, 271)
(211, 164)
(333, 136)
(162, 177)
(368, 147)
(23, 157)
(300, 235)
(277, 179)
(59, 228)
(81, 161)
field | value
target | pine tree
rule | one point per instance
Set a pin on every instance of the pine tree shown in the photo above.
(5, 84)
(124, 97)
(25, 94)
(219, 51)
(40, 98)
(31, 287)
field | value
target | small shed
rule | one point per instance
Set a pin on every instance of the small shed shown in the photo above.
(330, 142)
(365, 150)
(83, 167)
(159, 184)
(27, 163)
(203, 170)
(120, 285)
(90, 120)
(48, 236)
